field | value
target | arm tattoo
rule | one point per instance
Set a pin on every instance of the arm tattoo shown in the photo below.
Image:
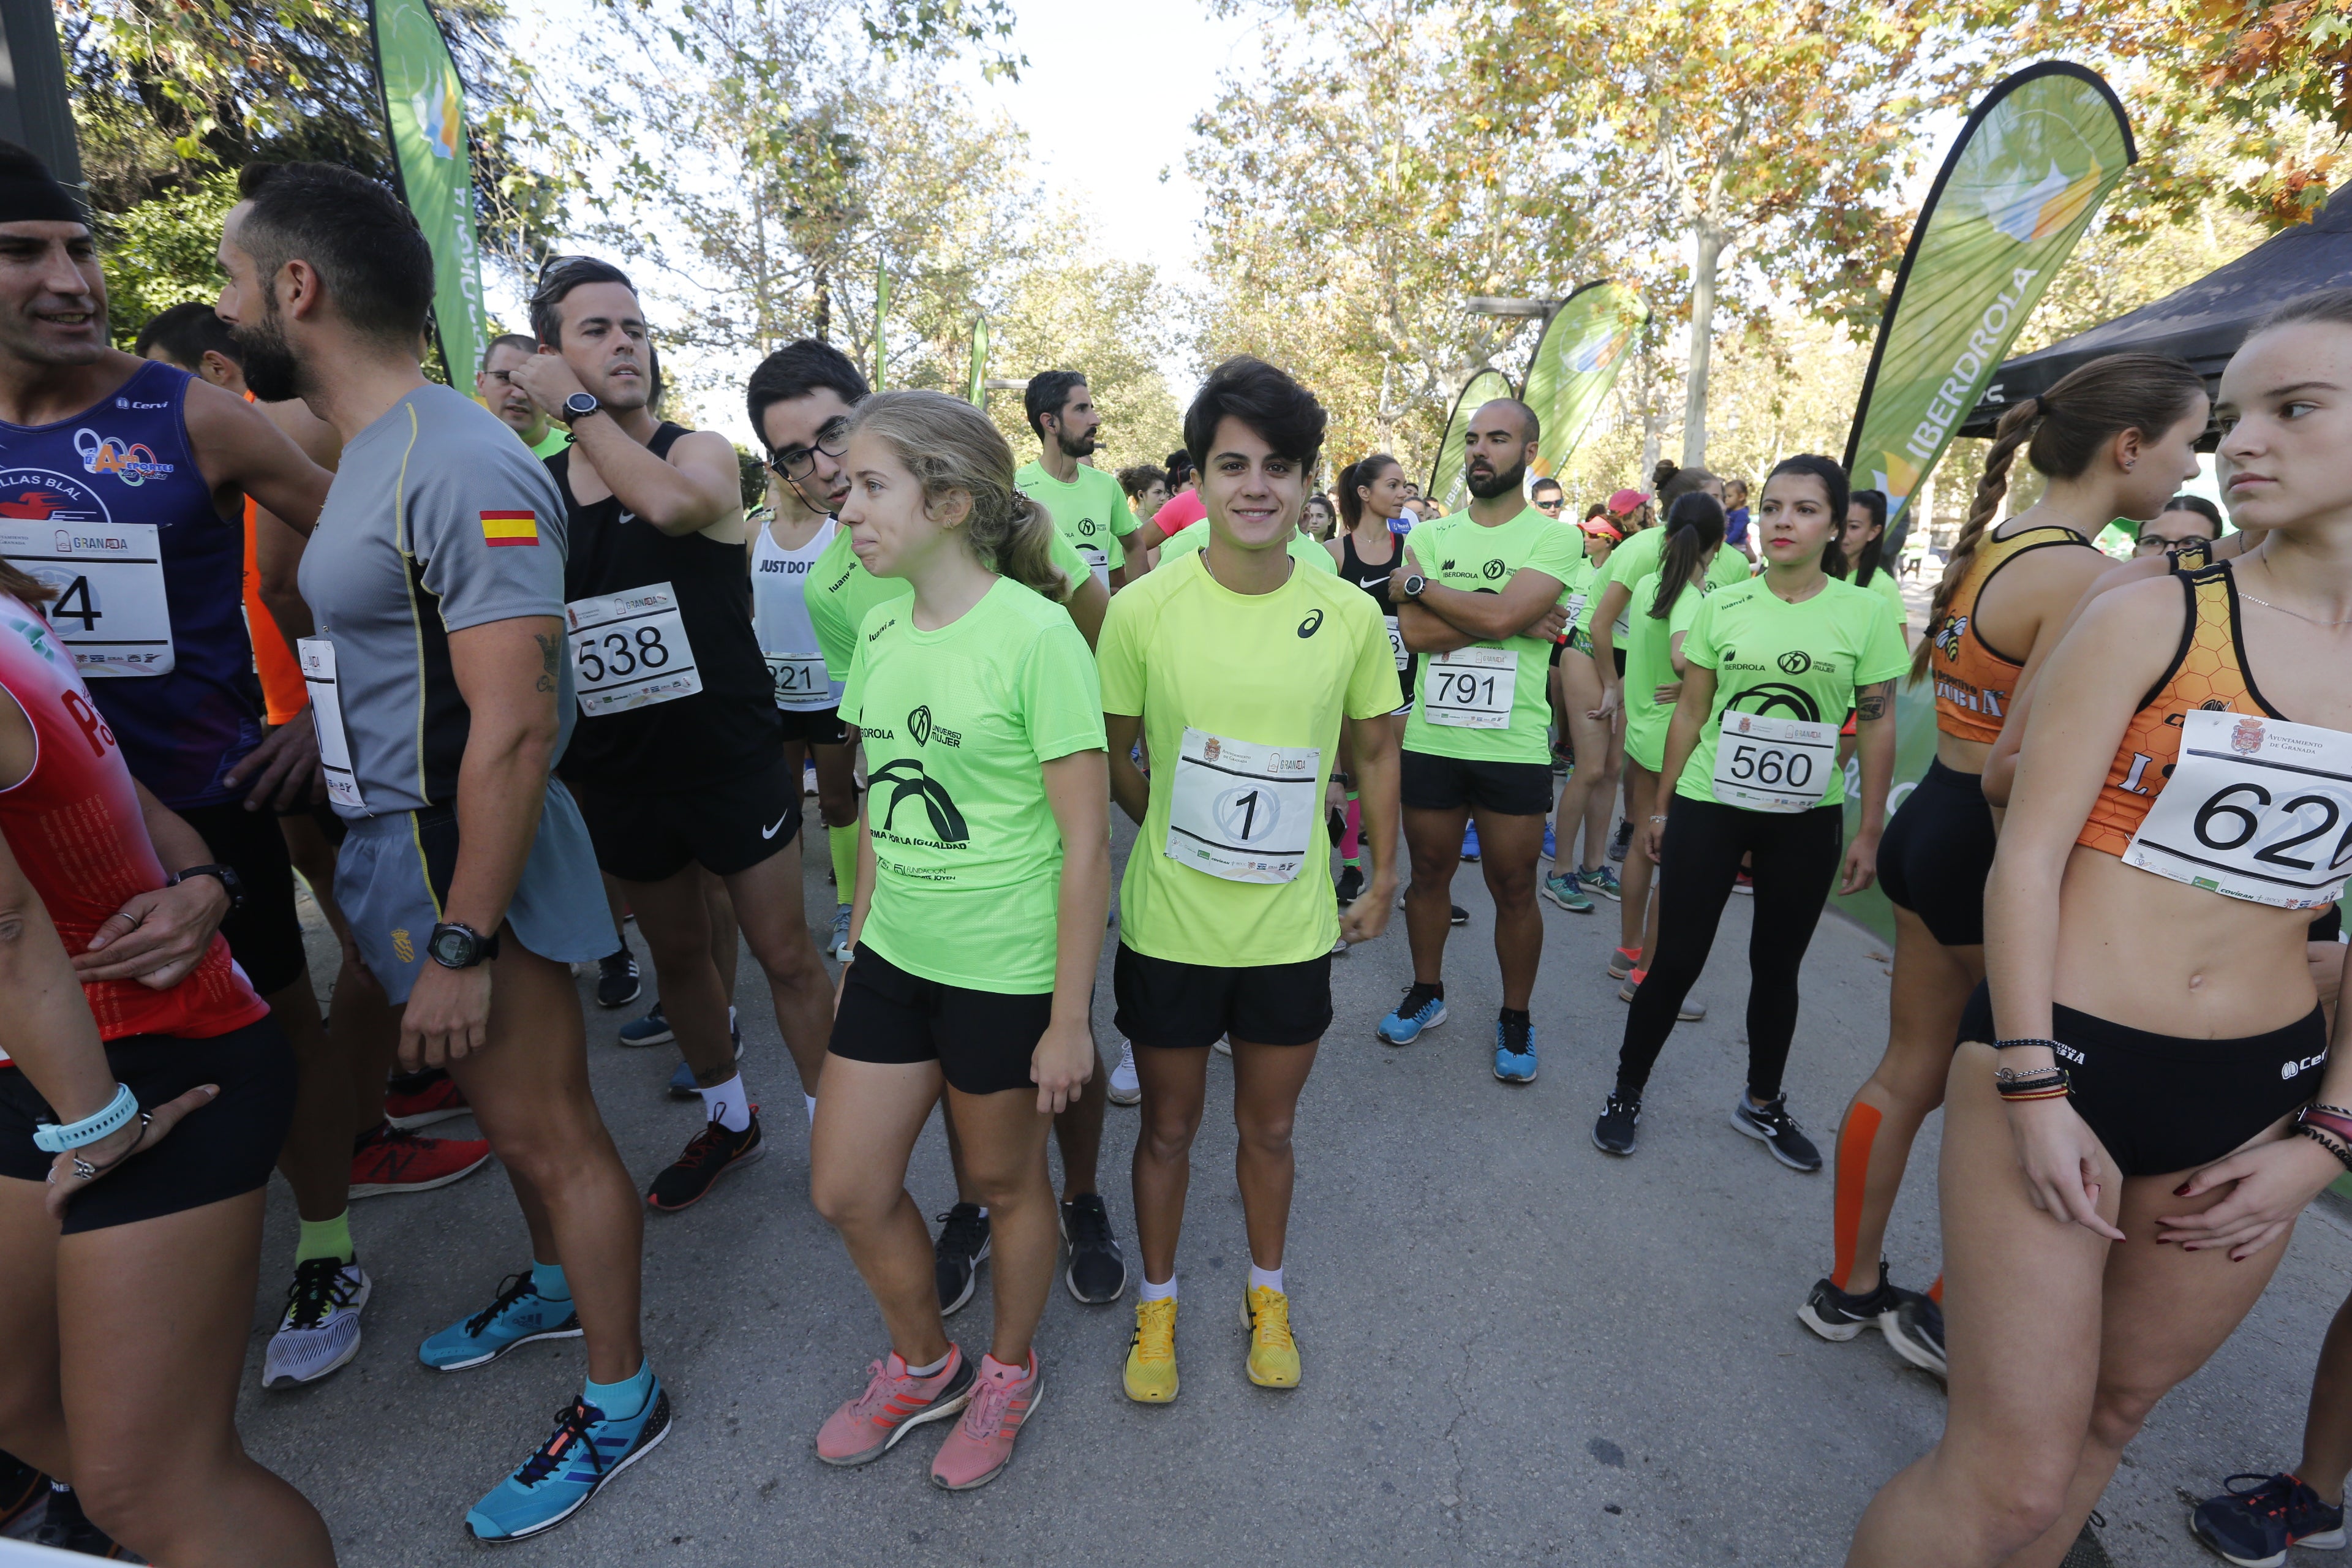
(1876, 700)
(550, 656)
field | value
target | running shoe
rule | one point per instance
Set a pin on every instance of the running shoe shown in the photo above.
(65, 1528)
(1550, 849)
(1623, 961)
(653, 1029)
(22, 1487)
(394, 1160)
(618, 985)
(1690, 1012)
(1470, 841)
(1839, 1316)
(808, 779)
(1223, 1045)
(1274, 1351)
(837, 946)
(517, 1316)
(438, 1098)
(1098, 1271)
(583, 1453)
(2254, 1526)
(1151, 1376)
(1002, 1399)
(710, 1154)
(1350, 885)
(1455, 915)
(1515, 1050)
(681, 1081)
(895, 1403)
(1614, 1133)
(1744, 883)
(321, 1328)
(1771, 1125)
(1916, 1332)
(957, 1255)
(1622, 840)
(1125, 1086)
(1423, 1007)
(1562, 887)
(1602, 879)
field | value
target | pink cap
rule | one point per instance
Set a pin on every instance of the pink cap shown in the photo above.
(1623, 503)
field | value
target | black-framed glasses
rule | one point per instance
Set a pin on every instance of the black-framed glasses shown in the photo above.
(797, 462)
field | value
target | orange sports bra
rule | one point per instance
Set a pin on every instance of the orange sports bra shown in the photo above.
(1974, 681)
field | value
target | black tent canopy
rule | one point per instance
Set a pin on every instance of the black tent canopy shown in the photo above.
(2203, 323)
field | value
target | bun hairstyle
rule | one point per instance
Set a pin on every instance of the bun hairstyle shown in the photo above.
(1866, 564)
(948, 445)
(1663, 475)
(2061, 432)
(1673, 483)
(1364, 471)
(1694, 526)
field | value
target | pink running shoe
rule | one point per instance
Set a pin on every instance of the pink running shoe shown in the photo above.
(1004, 1398)
(895, 1403)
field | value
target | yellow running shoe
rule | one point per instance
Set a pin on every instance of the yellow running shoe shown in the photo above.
(1151, 1359)
(1274, 1354)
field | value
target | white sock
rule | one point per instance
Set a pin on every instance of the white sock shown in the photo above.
(1165, 1291)
(812, 1105)
(729, 1104)
(1269, 1278)
(933, 1370)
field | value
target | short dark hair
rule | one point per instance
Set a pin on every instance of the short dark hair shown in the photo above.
(1141, 478)
(507, 340)
(1179, 465)
(1546, 482)
(186, 333)
(1283, 414)
(2198, 506)
(798, 369)
(1049, 393)
(375, 262)
(562, 276)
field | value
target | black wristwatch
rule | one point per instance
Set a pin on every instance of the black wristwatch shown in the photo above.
(231, 883)
(456, 946)
(579, 405)
(1414, 584)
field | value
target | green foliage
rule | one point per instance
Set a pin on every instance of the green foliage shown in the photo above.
(160, 253)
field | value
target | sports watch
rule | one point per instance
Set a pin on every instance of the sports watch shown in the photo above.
(579, 405)
(1414, 584)
(231, 883)
(456, 946)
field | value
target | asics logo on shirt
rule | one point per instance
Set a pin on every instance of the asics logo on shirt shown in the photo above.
(906, 779)
(1311, 625)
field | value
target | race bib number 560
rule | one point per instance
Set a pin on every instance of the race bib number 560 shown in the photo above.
(2256, 808)
(1773, 765)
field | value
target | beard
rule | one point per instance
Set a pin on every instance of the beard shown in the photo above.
(272, 372)
(1504, 483)
(1076, 446)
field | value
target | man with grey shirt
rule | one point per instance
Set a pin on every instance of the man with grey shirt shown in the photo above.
(435, 579)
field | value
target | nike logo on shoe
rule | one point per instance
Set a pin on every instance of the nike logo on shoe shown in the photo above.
(769, 832)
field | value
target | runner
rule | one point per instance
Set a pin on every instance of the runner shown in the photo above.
(1771, 661)
(2184, 517)
(127, 1332)
(1861, 545)
(1145, 485)
(1086, 503)
(983, 882)
(678, 760)
(800, 398)
(1475, 749)
(438, 670)
(1594, 740)
(495, 389)
(1317, 519)
(1241, 666)
(1184, 506)
(2114, 438)
(1546, 496)
(2103, 1088)
(1372, 539)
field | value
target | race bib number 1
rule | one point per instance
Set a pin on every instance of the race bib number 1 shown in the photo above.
(327, 718)
(629, 650)
(1242, 812)
(1764, 764)
(1470, 688)
(110, 609)
(2256, 808)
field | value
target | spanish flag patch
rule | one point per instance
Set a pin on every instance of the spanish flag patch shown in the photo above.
(509, 528)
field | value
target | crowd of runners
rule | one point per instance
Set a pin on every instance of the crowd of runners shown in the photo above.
(496, 676)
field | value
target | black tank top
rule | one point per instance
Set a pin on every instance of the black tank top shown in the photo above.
(726, 729)
(1374, 580)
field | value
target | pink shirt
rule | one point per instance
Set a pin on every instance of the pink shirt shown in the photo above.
(1181, 511)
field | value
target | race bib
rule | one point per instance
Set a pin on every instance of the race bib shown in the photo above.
(1763, 763)
(629, 650)
(1575, 608)
(1470, 688)
(1097, 562)
(1242, 812)
(1396, 644)
(327, 716)
(802, 684)
(2256, 808)
(110, 609)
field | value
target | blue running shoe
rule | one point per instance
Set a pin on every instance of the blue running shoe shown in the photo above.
(1470, 841)
(2254, 1526)
(585, 1451)
(653, 1029)
(1550, 850)
(1564, 889)
(1603, 881)
(1423, 1007)
(1515, 1048)
(519, 1315)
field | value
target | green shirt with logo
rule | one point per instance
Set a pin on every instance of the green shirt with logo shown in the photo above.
(1090, 511)
(1650, 664)
(1461, 554)
(840, 592)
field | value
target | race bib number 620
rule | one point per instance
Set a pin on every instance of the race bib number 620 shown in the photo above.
(2257, 808)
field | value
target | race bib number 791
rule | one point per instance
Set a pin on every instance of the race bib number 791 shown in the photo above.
(2256, 808)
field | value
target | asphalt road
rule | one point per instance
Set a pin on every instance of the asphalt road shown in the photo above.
(1516, 1350)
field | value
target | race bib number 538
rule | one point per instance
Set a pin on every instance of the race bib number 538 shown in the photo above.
(2256, 808)
(629, 649)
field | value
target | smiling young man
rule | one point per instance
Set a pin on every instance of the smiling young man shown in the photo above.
(1480, 593)
(495, 390)
(1088, 506)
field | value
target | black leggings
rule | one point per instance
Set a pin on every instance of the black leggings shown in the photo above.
(1795, 864)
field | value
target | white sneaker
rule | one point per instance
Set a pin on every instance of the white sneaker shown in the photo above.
(1126, 1088)
(838, 948)
(320, 1329)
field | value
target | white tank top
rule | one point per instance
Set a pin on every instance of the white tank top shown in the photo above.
(780, 615)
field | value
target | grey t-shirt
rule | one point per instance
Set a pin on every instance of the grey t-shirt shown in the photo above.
(438, 520)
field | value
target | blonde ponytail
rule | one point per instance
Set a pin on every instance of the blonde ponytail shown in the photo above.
(948, 445)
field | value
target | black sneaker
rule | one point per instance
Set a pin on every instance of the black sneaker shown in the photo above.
(1351, 885)
(713, 1152)
(1456, 915)
(1622, 841)
(22, 1487)
(1097, 1272)
(2253, 1525)
(1772, 1126)
(1915, 1330)
(65, 1528)
(957, 1255)
(1840, 1317)
(1614, 1133)
(618, 985)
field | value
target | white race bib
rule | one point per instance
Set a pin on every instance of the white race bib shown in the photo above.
(327, 716)
(1242, 812)
(110, 609)
(2256, 808)
(629, 650)
(1470, 688)
(1575, 608)
(802, 684)
(1396, 645)
(1763, 763)
(1097, 562)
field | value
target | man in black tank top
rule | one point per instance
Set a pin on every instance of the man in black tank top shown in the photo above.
(678, 762)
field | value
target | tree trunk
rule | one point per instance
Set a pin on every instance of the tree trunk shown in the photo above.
(824, 306)
(1710, 245)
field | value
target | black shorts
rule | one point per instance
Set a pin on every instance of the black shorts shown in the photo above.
(1935, 853)
(1187, 1006)
(222, 1151)
(1426, 781)
(814, 727)
(1618, 651)
(982, 1040)
(2328, 926)
(264, 937)
(2161, 1103)
(726, 827)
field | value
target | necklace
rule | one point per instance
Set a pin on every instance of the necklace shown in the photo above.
(2298, 615)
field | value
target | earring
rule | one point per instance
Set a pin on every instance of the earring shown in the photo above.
(2127, 464)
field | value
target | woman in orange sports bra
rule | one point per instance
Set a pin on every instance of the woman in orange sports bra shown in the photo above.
(2157, 1042)
(2114, 438)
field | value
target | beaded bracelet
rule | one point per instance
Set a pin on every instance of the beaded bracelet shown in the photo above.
(2049, 1083)
(2050, 1046)
(2343, 1153)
